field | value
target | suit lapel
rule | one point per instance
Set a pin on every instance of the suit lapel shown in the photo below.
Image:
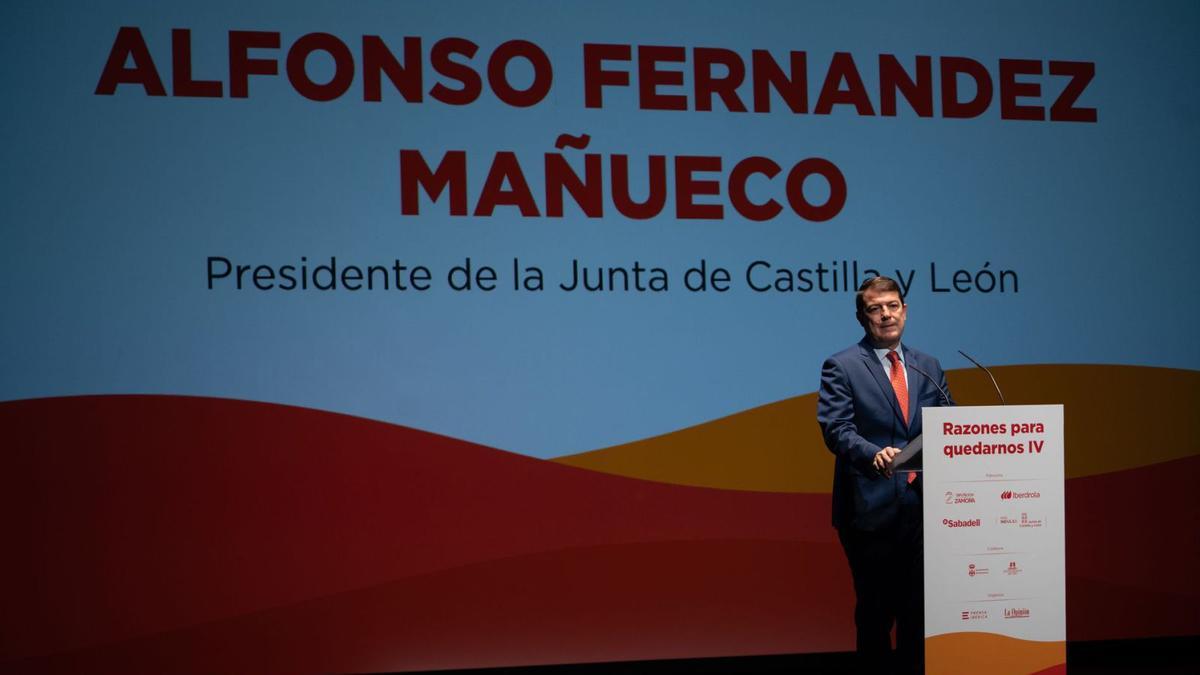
(885, 383)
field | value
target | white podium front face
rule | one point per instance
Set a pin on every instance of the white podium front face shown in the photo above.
(995, 573)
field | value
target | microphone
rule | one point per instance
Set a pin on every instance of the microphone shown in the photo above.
(913, 448)
(945, 396)
(989, 374)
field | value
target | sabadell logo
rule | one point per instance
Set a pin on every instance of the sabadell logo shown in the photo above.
(955, 522)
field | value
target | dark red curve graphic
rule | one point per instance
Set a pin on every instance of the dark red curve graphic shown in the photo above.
(138, 515)
(240, 536)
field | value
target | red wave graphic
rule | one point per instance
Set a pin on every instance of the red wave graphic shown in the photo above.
(1132, 547)
(142, 514)
(592, 604)
(240, 536)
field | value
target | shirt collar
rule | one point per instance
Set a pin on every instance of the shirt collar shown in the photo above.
(881, 354)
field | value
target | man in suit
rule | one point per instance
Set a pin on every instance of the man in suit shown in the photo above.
(869, 408)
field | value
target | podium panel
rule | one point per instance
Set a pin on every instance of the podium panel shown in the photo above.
(995, 574)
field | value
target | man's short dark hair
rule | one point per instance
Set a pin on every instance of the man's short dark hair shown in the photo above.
(879, 285)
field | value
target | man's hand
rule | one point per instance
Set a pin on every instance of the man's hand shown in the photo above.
(883, 460)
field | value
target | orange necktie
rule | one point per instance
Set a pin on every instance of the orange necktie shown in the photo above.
(900, 386)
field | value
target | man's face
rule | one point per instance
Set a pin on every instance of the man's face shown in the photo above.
(883, 316)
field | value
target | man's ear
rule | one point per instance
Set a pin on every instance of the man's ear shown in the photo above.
(862, 320)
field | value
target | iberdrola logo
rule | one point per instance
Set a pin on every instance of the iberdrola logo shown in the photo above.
(1030, 494)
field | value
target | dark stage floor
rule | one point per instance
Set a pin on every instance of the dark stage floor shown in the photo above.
(1159, 656)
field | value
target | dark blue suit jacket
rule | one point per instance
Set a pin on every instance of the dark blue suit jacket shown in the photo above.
(859, 416)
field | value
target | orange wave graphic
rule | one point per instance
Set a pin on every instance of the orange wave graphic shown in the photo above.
(772, 448)
(990, 654)
(778, 447)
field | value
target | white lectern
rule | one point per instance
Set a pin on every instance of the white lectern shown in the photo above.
(995, 574)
